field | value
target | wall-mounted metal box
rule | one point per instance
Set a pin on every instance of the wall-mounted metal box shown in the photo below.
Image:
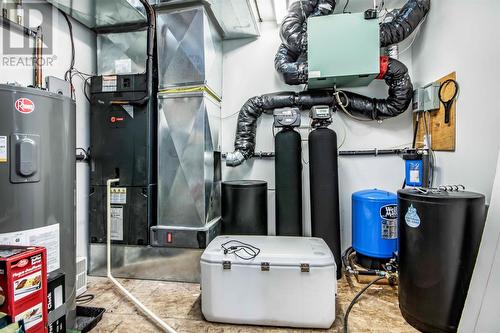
(189, 49)
(343, 50)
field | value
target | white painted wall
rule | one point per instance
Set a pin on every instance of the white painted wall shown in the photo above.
(85, 44)
(462, 36)
(249, 71)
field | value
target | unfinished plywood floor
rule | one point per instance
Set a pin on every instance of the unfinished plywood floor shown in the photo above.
(179, 305)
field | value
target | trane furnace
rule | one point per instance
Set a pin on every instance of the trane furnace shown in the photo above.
(166, 152)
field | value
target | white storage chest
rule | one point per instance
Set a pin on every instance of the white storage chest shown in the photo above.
(291, 282)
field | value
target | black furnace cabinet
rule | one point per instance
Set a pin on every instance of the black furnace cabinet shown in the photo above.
(122, 146)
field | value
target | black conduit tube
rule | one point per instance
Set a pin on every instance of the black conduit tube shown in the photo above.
(247, 120)
(151, 17)
(405, 22)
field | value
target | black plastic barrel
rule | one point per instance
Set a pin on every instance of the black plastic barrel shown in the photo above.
(439, 240)
(288, 171)
(324, 182)
(244, 207)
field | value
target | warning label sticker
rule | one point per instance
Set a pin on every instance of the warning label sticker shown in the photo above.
(118, 196)
(3, 149)
(117, 223)
(109, 83)
(389, 229)
(47, 237)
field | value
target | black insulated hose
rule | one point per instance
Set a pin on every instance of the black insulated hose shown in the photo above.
(400, 96)
(293, 31)
(247, 120)
(292, 67)
(405, 22)
(291, 59)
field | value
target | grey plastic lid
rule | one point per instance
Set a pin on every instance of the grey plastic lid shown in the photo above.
(439, 195)
(245, 183)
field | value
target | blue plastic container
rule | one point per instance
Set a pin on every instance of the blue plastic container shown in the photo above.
(375, 223)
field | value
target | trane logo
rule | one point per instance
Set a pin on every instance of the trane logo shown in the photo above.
(25, 105)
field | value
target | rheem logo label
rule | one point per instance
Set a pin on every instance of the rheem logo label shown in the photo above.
(25, 105)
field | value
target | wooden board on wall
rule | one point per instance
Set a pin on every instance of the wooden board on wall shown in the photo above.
(443, 135)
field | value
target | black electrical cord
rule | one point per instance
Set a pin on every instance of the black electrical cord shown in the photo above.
(67, 75)
(235, 247)
(355, 299)
(345, 7)
(84, 299)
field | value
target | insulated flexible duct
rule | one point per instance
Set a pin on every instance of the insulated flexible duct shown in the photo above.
(291, 59)
(400, 95)
(404, 23)
(247, 120)
(293, 30)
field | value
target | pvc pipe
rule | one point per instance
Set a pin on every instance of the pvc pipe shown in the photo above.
(150, 314)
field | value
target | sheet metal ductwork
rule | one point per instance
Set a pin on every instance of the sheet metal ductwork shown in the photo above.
(255, 106)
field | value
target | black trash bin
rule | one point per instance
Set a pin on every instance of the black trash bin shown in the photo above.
(244, 207)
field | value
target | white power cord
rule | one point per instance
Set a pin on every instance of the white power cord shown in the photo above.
(150, 314)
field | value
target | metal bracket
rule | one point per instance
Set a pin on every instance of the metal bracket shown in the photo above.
(304, 268)
(264, 266)
(226, 265)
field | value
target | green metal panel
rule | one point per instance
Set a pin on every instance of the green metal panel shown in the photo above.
(343, 50)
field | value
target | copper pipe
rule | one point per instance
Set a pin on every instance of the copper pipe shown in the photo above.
(38, 58)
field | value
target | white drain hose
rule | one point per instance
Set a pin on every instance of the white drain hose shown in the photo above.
(150, 314)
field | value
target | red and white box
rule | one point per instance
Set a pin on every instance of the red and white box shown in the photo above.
(23, 286)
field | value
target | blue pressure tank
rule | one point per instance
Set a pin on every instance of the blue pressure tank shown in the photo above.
(375, 223)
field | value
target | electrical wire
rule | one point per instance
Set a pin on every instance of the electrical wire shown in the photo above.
(67, 75)
(86, 84)
(236, 247)
(345, 7)
(358, 295)
(84, 299)
(414, 36)
(343, 107)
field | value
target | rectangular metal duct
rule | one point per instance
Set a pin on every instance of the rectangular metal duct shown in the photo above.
(189, 171)
(189, 49)
(121, 53)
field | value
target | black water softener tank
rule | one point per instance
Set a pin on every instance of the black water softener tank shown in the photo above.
(439, 235)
